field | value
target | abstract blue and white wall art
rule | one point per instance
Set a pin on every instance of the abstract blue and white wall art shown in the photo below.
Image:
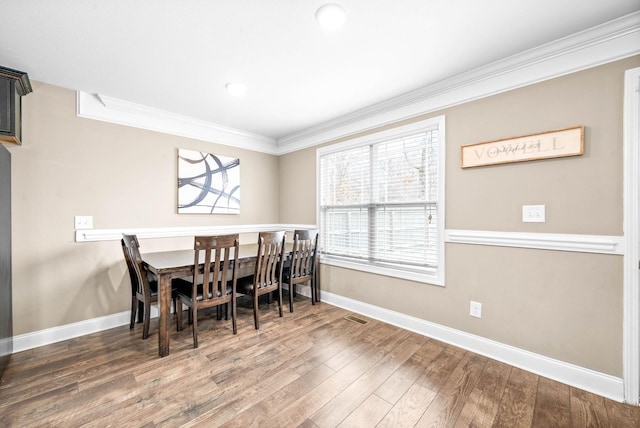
(207, 183)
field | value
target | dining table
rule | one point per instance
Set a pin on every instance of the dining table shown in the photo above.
(168, 265)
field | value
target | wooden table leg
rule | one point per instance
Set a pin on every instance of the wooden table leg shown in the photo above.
(164, 303)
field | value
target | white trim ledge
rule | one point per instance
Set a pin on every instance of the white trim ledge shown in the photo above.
(570, 374)
(92, 235)
(543, 241)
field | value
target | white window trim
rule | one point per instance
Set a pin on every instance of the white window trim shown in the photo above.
(433, 276)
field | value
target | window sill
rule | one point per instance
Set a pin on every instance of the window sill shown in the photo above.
(432, 276)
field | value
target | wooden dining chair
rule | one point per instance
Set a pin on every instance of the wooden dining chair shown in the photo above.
(144, 291)
(267, 276)
(214, 284)
(300, 267)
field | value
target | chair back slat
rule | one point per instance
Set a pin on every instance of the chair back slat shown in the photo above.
(301, 267)
(219, 255)
(268, 271)
(215, 275)
(303, 253)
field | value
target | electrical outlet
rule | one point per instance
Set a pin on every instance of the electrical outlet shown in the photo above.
(83, 222)
(475, 309)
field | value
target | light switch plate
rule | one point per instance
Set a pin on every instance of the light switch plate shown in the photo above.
(83, 222)
(533, 214)
(475, 309)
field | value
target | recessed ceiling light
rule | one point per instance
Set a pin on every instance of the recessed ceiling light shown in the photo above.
(236, 89)
(331, 16)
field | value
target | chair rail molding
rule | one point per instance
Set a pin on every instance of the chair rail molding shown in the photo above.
(543, 241)
(92, 235)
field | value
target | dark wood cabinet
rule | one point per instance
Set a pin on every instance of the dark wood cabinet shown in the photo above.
(14, 85)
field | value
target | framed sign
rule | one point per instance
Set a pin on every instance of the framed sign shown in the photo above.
(550, 144)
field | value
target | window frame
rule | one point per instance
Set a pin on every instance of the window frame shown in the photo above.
(435, 275)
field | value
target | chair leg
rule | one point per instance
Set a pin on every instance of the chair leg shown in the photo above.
(134, 311)
(140, 311)
(291, 286)
(195, 326)
(313, 291)
(316, 286)
(280, 298)
(226, 311)
(256, 319)
(233, 316)
(178, 319)
(147, 319)
(179, 316)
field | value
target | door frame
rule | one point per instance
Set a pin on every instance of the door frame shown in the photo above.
(631, 231)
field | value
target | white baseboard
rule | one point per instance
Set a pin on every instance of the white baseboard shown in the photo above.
(48, 336)
(51, 335)
(570, 374)
(301, 289)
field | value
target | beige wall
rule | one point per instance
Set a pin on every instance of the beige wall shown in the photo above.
(125, 178)
(582, 194)
(298, 187)
(564, 305)
(560, 304)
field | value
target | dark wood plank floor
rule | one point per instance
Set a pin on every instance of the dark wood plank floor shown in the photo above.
(316, 367)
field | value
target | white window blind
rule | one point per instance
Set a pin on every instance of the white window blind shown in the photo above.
(379, 202)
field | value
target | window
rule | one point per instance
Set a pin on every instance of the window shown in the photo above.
(381, 202)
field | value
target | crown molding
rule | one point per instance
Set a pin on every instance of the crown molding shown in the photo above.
(599, 45)
(612, 41)
(113, 110)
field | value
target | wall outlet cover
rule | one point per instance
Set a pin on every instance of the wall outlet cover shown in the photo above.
(475, 309)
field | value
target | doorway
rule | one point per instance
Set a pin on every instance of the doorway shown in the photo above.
(631, 228)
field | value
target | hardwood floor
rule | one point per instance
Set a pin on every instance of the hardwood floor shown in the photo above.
(317, 367)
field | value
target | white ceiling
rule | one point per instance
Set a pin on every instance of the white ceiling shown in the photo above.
(177, 55)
